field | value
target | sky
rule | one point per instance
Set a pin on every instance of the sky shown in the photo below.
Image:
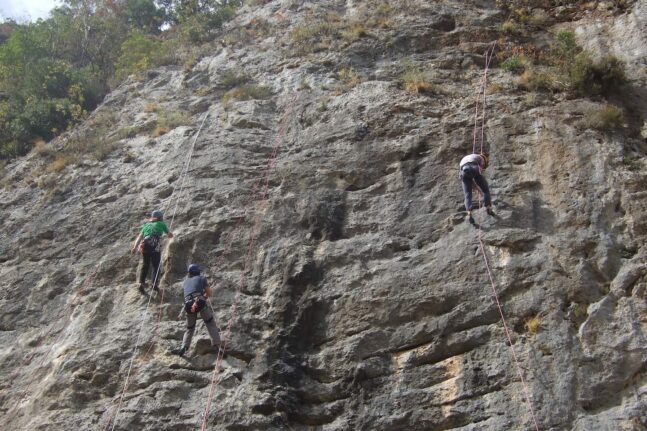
(26, 10)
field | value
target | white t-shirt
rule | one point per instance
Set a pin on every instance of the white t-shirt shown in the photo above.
(472, 158)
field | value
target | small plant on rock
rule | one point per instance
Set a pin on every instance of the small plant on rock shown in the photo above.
(607, 118)
(537, 80)
(232, 78)
(509, 27)
(60, 162)
(151, 107)
(42, 149)
(633, 164)
(169, 120)
(533, 325)
(349, 78)
(247, 92)
(515, 64)
(602, 77)
(416, 80)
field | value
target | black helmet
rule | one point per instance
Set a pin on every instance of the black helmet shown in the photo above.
(194, 269)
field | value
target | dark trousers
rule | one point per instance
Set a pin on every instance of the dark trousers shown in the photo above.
(207, 316)
(469, 176)
(151, 258)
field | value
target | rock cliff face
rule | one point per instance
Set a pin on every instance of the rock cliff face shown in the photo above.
(361, 297)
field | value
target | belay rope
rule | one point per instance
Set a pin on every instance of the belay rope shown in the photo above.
(66, 312)
(482, 93)
(264, 185)
(113, 418)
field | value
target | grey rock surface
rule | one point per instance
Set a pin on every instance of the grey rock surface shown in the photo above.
(329, 219)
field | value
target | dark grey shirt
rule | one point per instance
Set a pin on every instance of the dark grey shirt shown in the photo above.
(195, 284)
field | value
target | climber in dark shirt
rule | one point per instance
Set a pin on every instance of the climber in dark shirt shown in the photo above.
(196, 291)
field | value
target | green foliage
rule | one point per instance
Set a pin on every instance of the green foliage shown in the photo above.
(582, 74)
(415, 79)
(200, 19)
(509, 27)
(564, 49)
(589, 77)
(634, 165)
(515, 64)
(232, 78)
(169, 120)
(247, 92)
(579, 310)
(57, 70)
(145, 15)
(43, 95)
(606, 118)
(139, 53)
(570, 69)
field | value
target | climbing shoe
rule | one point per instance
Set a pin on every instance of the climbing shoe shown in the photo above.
(471, 219)
(156, 288)
(142, 288)
(490, 212)
(180, 351)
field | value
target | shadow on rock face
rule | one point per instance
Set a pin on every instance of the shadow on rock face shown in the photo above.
(323, 215)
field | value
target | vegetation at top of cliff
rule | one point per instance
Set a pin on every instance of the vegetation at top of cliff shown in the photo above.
(55, 71)
(565, 66)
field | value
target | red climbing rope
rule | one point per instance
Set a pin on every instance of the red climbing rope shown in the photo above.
(226, 336)
(113, 419)
(507, 334)
(482, 89)
(178, 197)
(67, 310)
(488, 58)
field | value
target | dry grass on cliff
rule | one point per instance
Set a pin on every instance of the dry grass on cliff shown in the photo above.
(533, 325)
(349, 78)
(416, 80)
(330, 30)
(169, 120)
(606, 118)
(247, 92)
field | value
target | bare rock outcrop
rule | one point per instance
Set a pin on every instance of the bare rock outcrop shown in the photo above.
(327, 211)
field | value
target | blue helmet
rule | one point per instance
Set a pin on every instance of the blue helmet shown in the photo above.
(157, 214)
(194, 269)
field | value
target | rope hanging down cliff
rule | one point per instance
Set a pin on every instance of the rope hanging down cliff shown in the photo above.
(66, 312)
(482, 93)
(226, 335)
(113, 418)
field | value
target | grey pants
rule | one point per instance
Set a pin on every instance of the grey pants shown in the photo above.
(207, 315)
(469, 176)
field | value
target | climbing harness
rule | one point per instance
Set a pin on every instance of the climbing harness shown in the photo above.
(482, 91)
(113, 419)
(195, 303)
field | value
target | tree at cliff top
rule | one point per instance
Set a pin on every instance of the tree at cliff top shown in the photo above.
(53, 72)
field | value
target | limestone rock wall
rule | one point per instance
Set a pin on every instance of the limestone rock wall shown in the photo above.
(363, 301)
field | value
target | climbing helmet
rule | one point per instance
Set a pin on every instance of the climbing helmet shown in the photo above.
(194, 268)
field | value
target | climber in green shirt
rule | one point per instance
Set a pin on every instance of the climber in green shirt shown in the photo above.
(148, 243)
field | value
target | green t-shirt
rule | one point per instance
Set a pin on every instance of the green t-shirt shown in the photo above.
(154, 228)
